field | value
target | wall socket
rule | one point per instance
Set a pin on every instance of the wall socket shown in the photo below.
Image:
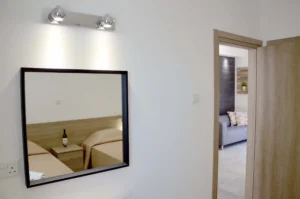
(9, 169)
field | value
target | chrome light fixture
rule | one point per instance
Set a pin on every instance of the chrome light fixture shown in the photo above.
(57, 15)
(65, 17)
(105, 23)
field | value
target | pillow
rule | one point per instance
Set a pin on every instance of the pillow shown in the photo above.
(232, 118)
(103, 136)
(99, 137)
(242, 118)
(34, 149)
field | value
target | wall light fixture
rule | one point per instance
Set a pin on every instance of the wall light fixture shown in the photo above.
(106, 22)
(64, 17)
(57, 15)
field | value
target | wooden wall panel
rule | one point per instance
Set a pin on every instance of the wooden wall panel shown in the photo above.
(50, 134)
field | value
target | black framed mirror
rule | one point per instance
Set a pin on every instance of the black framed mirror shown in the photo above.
(75, 123)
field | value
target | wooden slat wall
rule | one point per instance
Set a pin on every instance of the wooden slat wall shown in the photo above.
(50, 134)
(227, 83)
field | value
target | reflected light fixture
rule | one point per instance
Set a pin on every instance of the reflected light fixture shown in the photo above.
(105, 22)
(57, 15)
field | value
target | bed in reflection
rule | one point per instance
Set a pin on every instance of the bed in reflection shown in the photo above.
(92, 143)
(43, 164)
(103, 148)
(107, 154)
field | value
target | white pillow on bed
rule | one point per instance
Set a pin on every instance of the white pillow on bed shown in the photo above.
(103, 136)
(34, 149)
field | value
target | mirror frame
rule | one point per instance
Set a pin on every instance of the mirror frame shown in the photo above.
(125, 123)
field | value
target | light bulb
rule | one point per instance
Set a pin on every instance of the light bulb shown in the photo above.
(57, 15)
(105, 22)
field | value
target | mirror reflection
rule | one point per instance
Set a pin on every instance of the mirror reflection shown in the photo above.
(73, 123)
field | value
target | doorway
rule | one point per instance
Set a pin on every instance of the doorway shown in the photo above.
(233, 122)
(229, 39)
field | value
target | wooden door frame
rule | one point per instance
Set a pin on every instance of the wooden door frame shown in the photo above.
(221, 37)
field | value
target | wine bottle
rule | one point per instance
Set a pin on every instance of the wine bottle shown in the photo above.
(65, 139)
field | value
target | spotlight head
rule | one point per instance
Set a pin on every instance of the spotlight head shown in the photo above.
(108, 21)
(100, 27)
(105, 22)
(57, 15)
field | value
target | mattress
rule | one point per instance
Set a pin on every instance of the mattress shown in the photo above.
(47, 164)
(107, 154)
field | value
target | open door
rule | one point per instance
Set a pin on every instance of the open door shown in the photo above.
(277, 138)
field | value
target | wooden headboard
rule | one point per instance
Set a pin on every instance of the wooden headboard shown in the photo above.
(50, 134)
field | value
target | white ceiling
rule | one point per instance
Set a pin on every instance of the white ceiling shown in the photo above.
(232, 51)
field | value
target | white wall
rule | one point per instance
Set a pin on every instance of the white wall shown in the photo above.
(241, 60)
(167, 47)
(54, 97)
(279, 19)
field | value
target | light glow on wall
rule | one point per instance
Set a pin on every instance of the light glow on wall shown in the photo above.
(60, 47)
(55, 51)
(101, 51)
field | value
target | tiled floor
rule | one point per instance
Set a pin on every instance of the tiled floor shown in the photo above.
(232, 171)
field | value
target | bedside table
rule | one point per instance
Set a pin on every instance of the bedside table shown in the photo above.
(72, 156)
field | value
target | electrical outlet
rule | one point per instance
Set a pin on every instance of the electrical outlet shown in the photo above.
(9, 169)
(58, 102)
